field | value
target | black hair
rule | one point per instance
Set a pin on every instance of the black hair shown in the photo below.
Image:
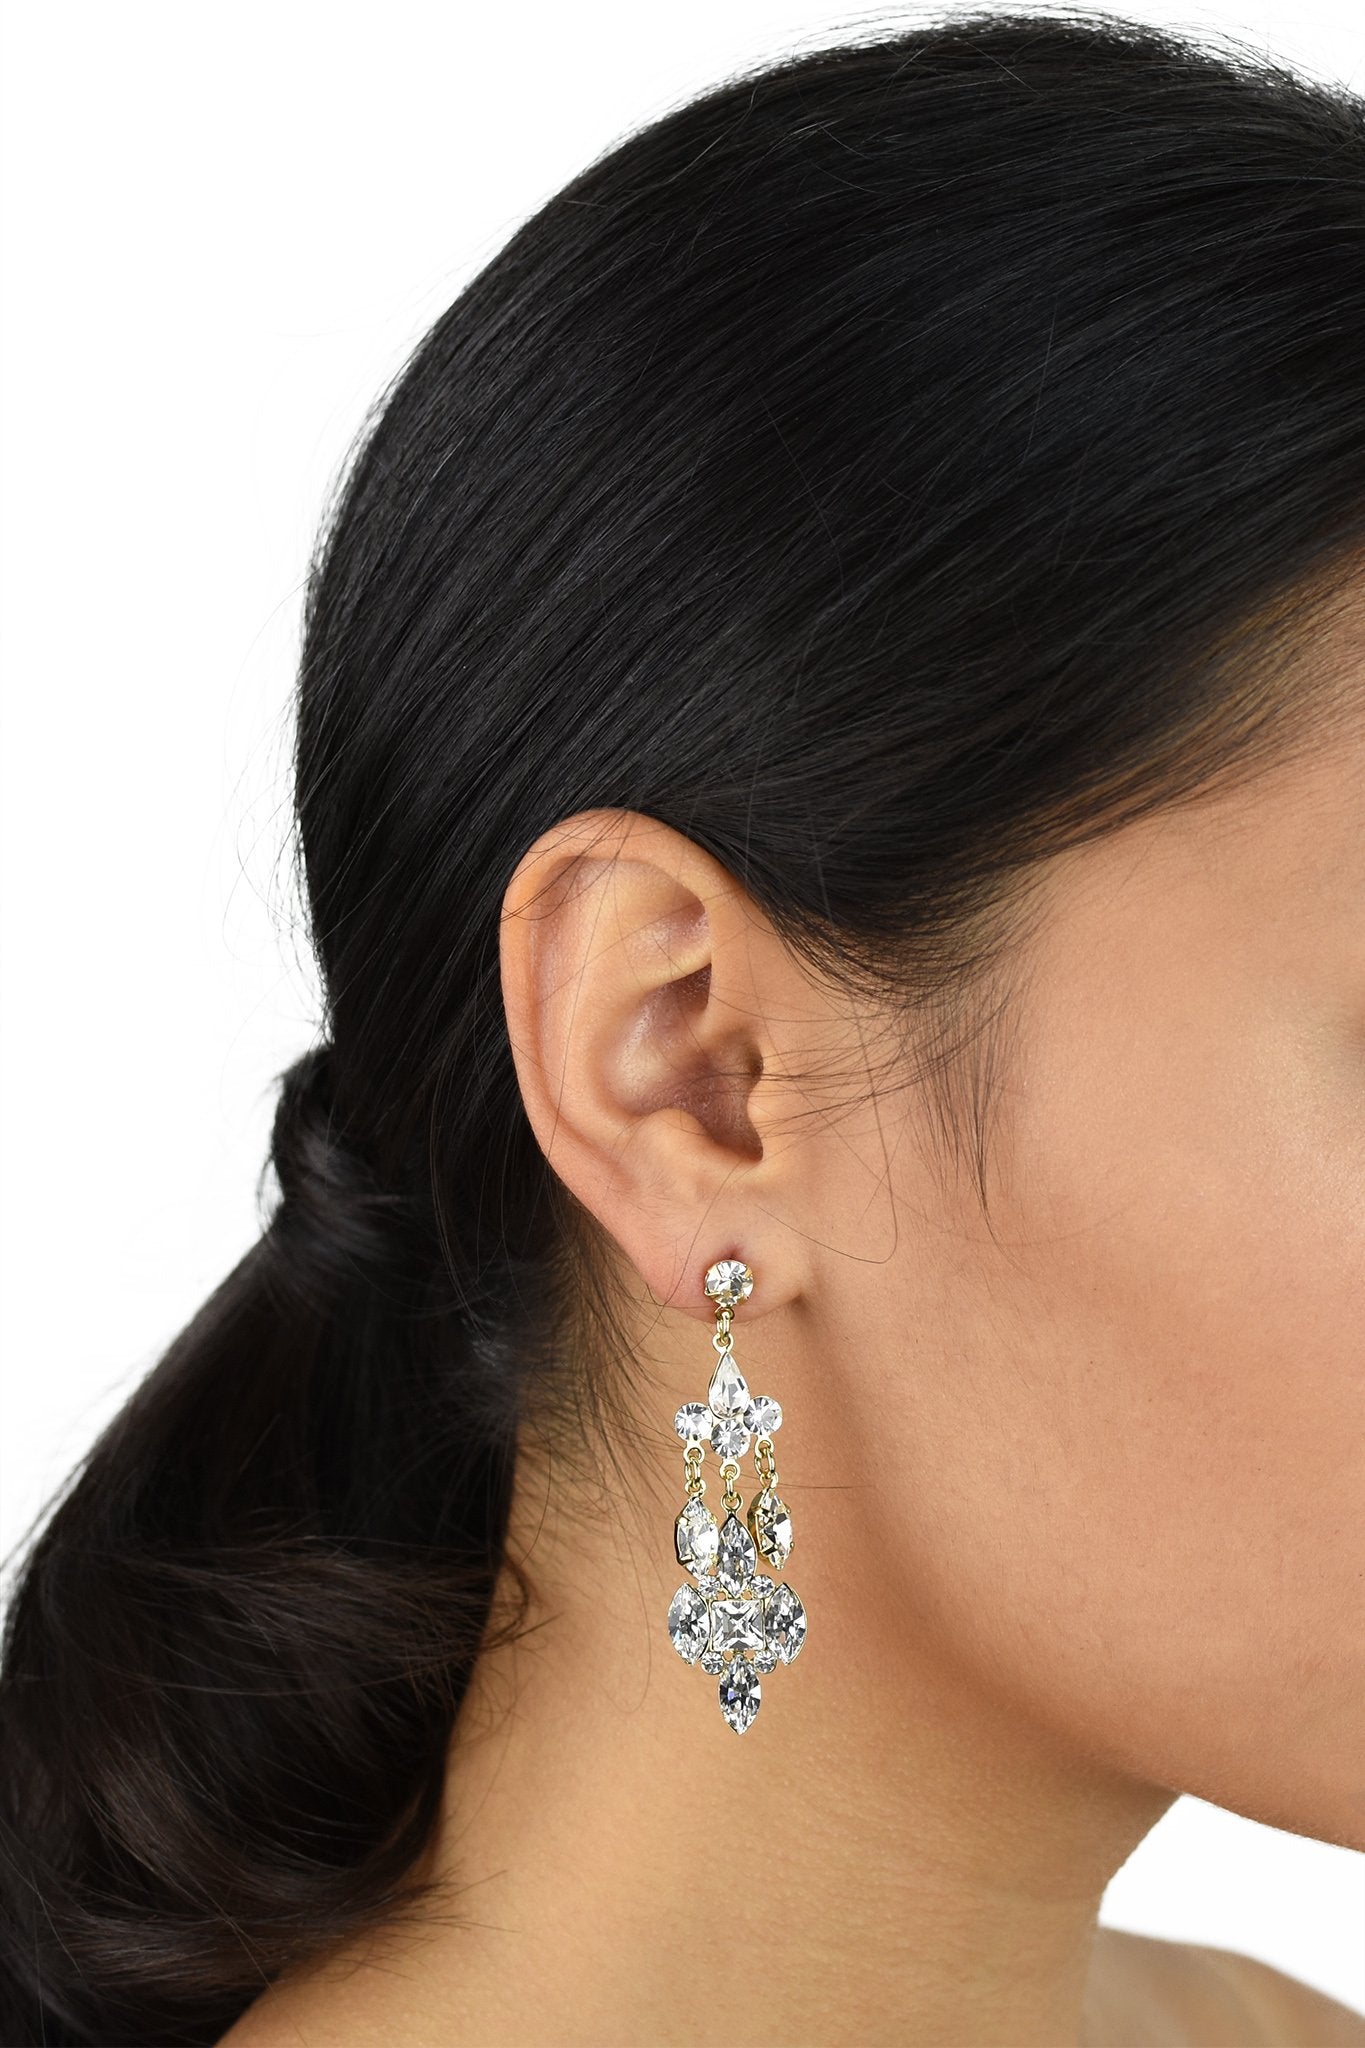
(902, 462)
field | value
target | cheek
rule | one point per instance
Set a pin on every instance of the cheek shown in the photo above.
(1149, 1451)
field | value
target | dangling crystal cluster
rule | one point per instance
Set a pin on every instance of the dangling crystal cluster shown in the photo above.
(732, 1619)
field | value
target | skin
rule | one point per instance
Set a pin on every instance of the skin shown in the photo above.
(1076, 1483)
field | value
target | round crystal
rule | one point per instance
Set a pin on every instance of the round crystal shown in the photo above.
(729, 1437)
(729, 1282)
(713, 1661)
(693, 1421)
(765, 1659)
(763, 1415)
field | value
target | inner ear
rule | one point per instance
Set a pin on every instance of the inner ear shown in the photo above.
(711, 1082)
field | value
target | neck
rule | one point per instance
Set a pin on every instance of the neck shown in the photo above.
(887, 1853)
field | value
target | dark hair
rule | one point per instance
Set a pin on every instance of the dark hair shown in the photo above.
(897, 465)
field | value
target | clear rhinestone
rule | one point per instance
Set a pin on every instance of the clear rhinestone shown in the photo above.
(729, 1390)
(784, 1622)
(689, 1623)
(736, 1625)
(735, 1558)
(693, 1421)
(729, 1438)
(771, 1527)
(713, 1661)
(696, 1538)
(741, 1695)
(763, 1415)
(729, 1282)
(765, 1659)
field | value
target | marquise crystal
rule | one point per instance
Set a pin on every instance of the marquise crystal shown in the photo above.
(697, 1539)
(689, 1623)
(771, 1527)
(736, 1559)
(784, 1623)
(741, 1695)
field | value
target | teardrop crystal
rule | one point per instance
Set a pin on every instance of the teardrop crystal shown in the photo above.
(728, 1393)
(741, 1695)
(771, 1527)
(696, 1538)
(735, 1559)
(784, 1623)
(689, 1623)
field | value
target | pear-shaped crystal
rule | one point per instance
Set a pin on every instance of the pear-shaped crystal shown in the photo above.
(729, 1437)
(729, 1390)
(693, 1421)
(735, 1557)
(689, 1623)
(763, 1415)
(741, 1695)
(729, 1282)
(784, 1623)
(696, 1538)
(771, 1527)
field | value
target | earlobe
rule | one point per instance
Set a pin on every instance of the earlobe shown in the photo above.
(635, 1029)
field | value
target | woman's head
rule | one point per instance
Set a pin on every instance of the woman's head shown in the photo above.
(885, 543)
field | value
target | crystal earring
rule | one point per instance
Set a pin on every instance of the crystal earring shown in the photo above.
(733, 1621)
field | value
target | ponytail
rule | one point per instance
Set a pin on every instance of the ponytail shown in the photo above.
(235, 1653)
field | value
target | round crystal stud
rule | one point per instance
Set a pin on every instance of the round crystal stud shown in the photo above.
(765, 1659)
(714, 1662)
(693, 1421)
(729, 1282)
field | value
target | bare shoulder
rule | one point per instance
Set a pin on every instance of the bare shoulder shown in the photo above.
(1174, 1994)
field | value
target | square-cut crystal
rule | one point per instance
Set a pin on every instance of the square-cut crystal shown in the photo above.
(736, 1625)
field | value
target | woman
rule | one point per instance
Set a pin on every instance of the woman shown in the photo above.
(831, 753)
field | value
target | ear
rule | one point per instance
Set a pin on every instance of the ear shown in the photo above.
(638, 977)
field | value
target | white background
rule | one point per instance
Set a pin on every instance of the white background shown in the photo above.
(223, 229)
